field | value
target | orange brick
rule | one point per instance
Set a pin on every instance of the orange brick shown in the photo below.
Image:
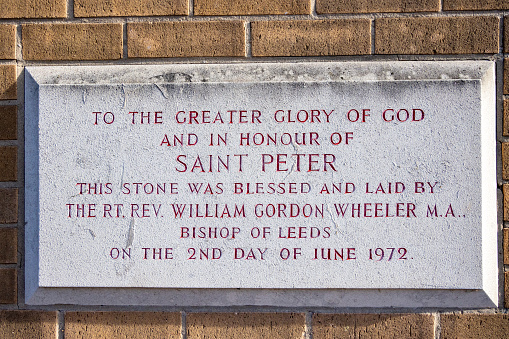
(373, 326)
(7, 42)
(72, 41)
(506, 243)
(8, 122)
(8, 79)
(245, 325)
(8, 245)
(311, 37)
(33, 9)
(450, 35)
(28, 324)
(122, 324)
(8, 286)
(8, 205)
(95, 8)
(472, 5)
(375, 6)
(505, 190)
(8, 163)
(473, 326)
(505, 127)
(506, 290)
(242, 7)
(505, 160)
(506, 34)
(506, 76)
(186, 39)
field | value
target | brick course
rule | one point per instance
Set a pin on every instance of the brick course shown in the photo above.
(8, 122)
(474, 326)
(122, 325)
(8, 163)
(8, 82)
(8, 287)
(448, 35)
(311, 37)
(33, 9)
(375, 6)
(240, 7)
(8, 205)
(327, 326)
(72, 41)
(7, 42)
(472, 5)
(97, 8)
(28, 324)
(8, 245)
(186, 39)
(245, 325)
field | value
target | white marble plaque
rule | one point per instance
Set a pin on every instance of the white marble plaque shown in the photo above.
(341, 178)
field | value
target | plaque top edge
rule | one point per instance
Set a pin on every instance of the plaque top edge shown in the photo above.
(260, 72)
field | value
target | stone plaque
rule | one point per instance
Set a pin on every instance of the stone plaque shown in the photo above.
(256, 184)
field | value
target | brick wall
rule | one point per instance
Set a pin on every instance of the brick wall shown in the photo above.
(36, 32)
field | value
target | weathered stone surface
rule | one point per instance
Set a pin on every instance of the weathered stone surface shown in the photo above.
(373, 326)
(72, 41)
(506, 289)
(122, 325)
(245, 325)
(7, 42)
(8, 82)
(186, 39)
(472, 5)
(373, 6)
(8, 205)
(311, 37)
(474, 326)
(96, 8)
(8, 163)
(239, 7)
(505, 124)
(446, 35)
(8, 122)
(8, 245)
(33, 9)
(8, 286)
(506, 34)
(28, 324)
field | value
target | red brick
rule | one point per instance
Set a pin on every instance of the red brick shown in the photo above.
(327, 326)
(506, 290)
(506, 76)
(311, 37)
(8, 286)
(245, 325)
(8, 122)
(8, 245)
(8, 79)
(472, 5)
(7, 41)
(72, 41)
(375, 6)
(24, 9)
(122, 325)
(474, 326)
(446, 35)
(242, 7)
(186, 39)
(28, 324)
(506, 34)
(95, 8)
(8, 163)
(505, 190)
(8, 205)
(505, 125)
